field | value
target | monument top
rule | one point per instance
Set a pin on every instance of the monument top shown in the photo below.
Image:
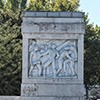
(54, 14)
(53, 22)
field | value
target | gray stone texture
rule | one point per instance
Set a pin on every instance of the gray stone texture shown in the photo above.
(43, 29)
(54, 14)
(39, 98)
(41, 14)
(53, 98)
(52, 90)
(10, 98)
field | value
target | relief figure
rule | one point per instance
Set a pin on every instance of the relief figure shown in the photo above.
(69, 64)
(49, 57)
(35, 60)
(67, 60)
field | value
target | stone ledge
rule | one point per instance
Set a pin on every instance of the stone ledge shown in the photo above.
(53, 98)
(54, 14)
(10, 98)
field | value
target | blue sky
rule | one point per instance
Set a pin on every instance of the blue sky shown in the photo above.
(93, 8)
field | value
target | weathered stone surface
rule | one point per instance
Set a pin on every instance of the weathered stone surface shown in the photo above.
(53, 98)
(41, 14)
(52, 90)
(53, 25)
(54, 14)
(10, 98)
(65, 14)
(52, 56)
(77, 14)
(39, 98)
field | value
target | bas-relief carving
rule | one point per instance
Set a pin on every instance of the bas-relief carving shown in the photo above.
(53, 58)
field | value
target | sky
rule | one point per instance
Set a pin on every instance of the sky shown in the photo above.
(92, 7)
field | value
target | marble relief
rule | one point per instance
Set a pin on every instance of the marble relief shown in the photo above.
(53, 58)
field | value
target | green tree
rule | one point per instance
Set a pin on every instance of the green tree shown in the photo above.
(53, 5)
(1, 3)
(23, 4)
(10, 52)
(12, 4)
(92, 55)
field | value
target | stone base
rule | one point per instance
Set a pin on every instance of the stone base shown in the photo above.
(10, 97)
(52, 98)
(52, 92)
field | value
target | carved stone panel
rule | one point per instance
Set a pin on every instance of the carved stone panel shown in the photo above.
(53, 58)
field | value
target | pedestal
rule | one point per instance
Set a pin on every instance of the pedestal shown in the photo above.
(52, 56)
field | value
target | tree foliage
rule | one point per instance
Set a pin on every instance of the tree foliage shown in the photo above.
(10, 52)
(53, 5)
(91, 55)
(23, 4)
(13, 4)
